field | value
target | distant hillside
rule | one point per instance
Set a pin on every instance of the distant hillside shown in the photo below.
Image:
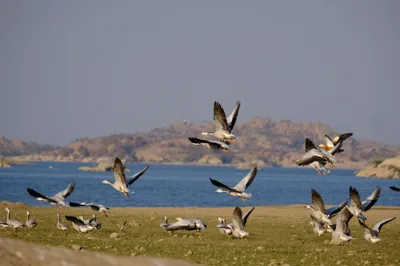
(17, 147)
(271, 143)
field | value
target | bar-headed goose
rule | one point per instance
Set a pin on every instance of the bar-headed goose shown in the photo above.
(372, 235)
(222, 127)
(92, 221)
(239, 189)
(318, 210)
(120, 182)
(79, 225)
(238, 225)
(103, 210)
(213, 145)
(340, 232)
(29, 222)
(57, 199)
(227, 229)
(61, 225)
(184, 224)
(356, 208)
(14, 224)
(316, 158)
(331, 143)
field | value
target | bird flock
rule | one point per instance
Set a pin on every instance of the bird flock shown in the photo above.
(317, 158)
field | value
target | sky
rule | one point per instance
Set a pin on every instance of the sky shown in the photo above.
(71, 69)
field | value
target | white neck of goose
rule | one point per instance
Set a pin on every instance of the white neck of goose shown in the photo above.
(27, 215)
(107, 182)
(166, 219)
(58, 217)
(208, 133)
(8, 214)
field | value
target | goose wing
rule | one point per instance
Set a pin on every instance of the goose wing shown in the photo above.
(317, 200)
(342, 137)
(237, 219)
(182, 224)
(75, 204)
(377, 228)
(223, 186)
(355, 198)
(309, 144)
(336, 149)
(372, 199)
(74, 220)
(39, 196)
(246, 216)
(197, 141)
(247, 180)
(119, 171)
(137, 175)
(220, 121)
(331, 212)
(395, 188)
(310, 157)
(231, 119)
(66, 192)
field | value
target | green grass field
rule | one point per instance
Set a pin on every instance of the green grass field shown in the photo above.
(278, 235)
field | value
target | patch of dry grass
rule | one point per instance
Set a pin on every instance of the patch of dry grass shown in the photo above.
(278, 235)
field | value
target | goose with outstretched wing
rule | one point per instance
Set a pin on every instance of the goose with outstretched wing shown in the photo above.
(213, 145)
(120, 182)
(329, 143)
(231, 119)
(395, 188)
(103, 210)
(372, 235)
(315, 158)
(57, 199)
(239, 189)
(227, 229)
(222, 129)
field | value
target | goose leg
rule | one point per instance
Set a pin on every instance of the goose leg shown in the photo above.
(319, 172)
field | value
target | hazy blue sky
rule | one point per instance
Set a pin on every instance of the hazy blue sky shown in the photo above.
(92, 68)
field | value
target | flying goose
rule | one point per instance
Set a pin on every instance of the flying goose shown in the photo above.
(341, 232)
(239, 189)
(222, 128)
(231, 119)
(120, 183)
(61, 225)
(395, 188)
(184, 224)
(103, 210)
(14, 224)
(57, 199)
(356, 208)
(372, 235)
(29, 222)
(227, 229)
(79, 225)
(331, 143)
(318, 210)
(314, 157)
(214, 145)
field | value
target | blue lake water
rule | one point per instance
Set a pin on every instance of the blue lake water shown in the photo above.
(180, 185)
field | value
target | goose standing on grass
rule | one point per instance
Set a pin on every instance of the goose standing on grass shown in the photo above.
(222, 128)
(316, 158)
(227, 229)
(58, 199)
(29, 222)
(213, 145)
(103, 210)
(239, 189)
(61, 225)
(14, 224)
(79, 225)
(372, 235)
(395, 188)
(120, 183)
(318, 210)
(332, 143)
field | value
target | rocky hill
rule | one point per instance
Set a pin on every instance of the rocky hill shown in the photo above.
(266, 141)
(389, 168)
(17, 147)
